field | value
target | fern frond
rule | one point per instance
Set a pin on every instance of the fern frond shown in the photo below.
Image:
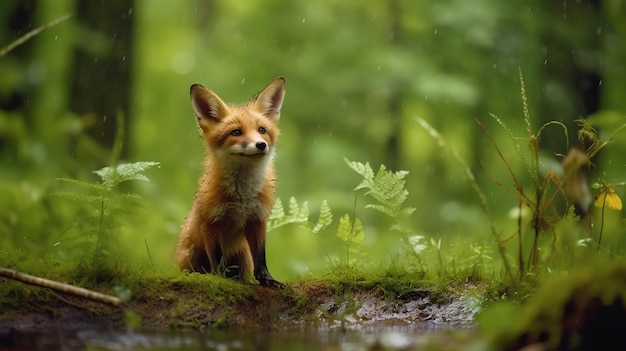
(296, 214)
(95, 186)
(349, 234)
(363, 169)
(325, 219)
(83, 198)
(386, 187)
(299, 213)
(112, 176)
(277, 210)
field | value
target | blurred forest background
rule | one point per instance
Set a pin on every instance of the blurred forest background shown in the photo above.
(358, 75)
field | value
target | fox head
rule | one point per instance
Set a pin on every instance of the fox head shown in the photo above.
(248, 131)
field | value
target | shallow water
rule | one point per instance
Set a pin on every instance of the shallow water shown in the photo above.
(407, 337)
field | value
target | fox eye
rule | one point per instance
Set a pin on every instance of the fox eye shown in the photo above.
(261, 130)
(236, 132)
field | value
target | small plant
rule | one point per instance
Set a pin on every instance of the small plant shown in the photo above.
(482, 198)
(101, 206)
(296, 214)
(385, 187)
(547, 188)
(606, 197)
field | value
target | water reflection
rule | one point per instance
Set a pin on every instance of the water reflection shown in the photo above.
(405, 337)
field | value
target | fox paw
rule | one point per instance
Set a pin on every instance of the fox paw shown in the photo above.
(272, 283)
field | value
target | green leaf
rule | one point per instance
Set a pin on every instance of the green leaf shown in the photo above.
(358, 234)
(363, 169)
(79, 197)
(386, 187)
(277, 210)
(347, 233)
(343, 231)
(297, 214)
(112, 176)
(325, 218)
(93, 186)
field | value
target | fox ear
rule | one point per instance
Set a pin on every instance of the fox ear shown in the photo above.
(270, 99)
(207, 106)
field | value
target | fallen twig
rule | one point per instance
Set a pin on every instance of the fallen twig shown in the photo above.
(66, 288)
(21, 40)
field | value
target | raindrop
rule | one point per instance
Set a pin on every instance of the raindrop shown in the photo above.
(545, 62)
(303, 20)
(379, 67)
(56, 37)
(104, 119)
(124, 58)
(436, 31)
(243, 81)
(130, 11)
(600, 82)
(598, 30)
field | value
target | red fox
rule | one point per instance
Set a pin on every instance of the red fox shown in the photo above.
(226, 224)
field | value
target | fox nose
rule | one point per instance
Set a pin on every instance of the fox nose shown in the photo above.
(261, 145)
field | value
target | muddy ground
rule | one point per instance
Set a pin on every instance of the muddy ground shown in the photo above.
(260, 308)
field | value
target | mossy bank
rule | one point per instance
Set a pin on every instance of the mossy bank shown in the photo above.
(174, 300)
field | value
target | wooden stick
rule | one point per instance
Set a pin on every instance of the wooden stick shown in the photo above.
(21, 40)
(66, 288)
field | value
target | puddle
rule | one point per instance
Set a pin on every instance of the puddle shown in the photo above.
(404, 337)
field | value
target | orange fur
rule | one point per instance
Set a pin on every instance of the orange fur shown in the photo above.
(228, 217)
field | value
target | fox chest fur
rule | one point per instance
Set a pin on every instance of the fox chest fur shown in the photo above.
(244, 193)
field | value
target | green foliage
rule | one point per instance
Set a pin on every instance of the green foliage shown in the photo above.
(102, 207)
(542, 198)
(297, 213)
(325, 218)
(350, 230)
(113, 176)
(387, 188)
(374, 77)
